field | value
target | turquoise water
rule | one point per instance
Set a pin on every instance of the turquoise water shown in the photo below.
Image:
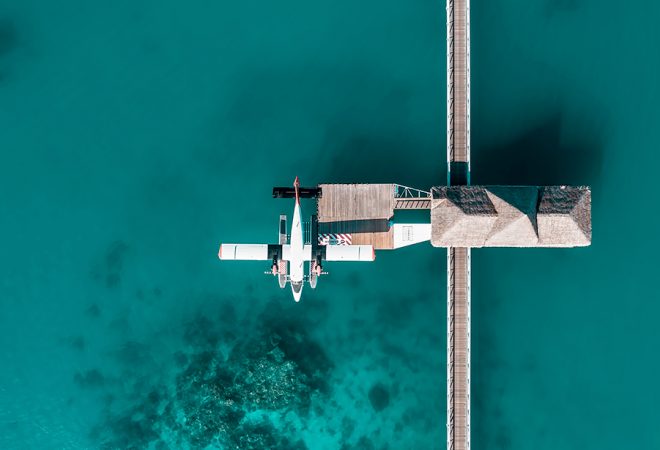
(135, 136)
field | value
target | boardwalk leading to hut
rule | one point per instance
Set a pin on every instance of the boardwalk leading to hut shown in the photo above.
(458, 348)
(458, 81)
(458, 259)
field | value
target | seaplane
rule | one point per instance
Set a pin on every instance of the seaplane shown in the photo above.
(290, 255)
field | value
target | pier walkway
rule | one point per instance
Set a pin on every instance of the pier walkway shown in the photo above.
(458, 259)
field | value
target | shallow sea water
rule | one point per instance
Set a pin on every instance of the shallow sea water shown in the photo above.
(135, 136)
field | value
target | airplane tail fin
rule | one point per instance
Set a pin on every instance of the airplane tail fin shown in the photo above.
(296, 186)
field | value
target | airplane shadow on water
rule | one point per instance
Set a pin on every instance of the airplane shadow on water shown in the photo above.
(365, 158)
(540, 154)
(8, 36)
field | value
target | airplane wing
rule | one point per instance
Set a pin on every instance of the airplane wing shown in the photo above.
(350, 253)
(266, 252)
(248, 252)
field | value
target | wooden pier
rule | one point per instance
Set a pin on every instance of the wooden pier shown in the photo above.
(364, 212)
(458, 259)
(458, 348)
(458, 86)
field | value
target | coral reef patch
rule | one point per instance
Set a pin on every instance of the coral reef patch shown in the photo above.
(224, 389)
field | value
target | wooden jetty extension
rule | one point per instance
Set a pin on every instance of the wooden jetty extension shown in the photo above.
(458, 86)
(458, 348)
(458, 259)
(363, 213)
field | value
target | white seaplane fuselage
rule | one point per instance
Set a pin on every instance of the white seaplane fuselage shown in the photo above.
(297, 254)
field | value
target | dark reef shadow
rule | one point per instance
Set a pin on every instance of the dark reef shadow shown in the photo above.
(8, 43)
(108, 271)
(8, 36)
(556, 7)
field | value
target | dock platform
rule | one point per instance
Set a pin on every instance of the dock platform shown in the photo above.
(361, 214)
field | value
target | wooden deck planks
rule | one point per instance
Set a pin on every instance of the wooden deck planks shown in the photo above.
(342, 202)
(459, 78)
(380, 240)
(458, 349)
(458, 259)
(363, 232)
